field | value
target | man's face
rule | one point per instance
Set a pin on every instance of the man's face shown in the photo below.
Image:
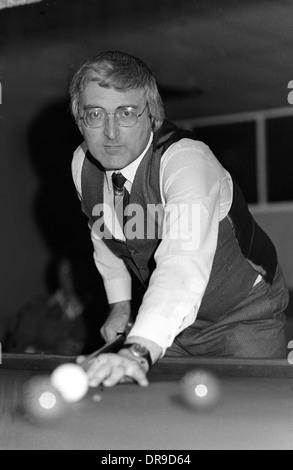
(114, 146)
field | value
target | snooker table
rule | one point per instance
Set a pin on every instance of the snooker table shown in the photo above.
(255, 410)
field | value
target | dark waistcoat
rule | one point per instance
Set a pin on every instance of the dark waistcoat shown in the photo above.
(243, 250)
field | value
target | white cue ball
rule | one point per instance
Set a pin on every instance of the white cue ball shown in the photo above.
(71, 381)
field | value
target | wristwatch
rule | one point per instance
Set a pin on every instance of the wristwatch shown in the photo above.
(139, 351)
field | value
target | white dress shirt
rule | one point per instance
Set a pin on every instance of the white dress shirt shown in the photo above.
(190, 176)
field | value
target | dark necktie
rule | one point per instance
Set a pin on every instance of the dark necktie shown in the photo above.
(120, 192)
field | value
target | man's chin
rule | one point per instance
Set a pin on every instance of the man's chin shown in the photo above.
(111, 161)
(113, 164)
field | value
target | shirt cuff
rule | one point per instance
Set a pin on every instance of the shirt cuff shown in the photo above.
(118, 290)
(163, 333)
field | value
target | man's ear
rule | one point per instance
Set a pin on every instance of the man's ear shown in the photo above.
(80, 126)
(77, 118)
(152, 122)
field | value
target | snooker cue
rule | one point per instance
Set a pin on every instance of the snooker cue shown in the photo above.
(111, 346)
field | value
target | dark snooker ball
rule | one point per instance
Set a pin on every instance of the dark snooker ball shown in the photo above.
(41, 402)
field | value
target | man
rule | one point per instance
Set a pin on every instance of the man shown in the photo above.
(210, 275)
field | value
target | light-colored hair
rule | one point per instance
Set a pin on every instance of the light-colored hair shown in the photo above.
(122, 72)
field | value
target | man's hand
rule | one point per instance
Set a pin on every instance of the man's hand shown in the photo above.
(111, 369)
(117, 321)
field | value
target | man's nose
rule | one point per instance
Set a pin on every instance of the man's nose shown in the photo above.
(111, 127)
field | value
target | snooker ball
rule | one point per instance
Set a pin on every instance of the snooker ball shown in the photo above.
(41, 402)
(200, 390)
(71, 381)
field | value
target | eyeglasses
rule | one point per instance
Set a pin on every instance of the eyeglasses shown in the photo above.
(126, 116)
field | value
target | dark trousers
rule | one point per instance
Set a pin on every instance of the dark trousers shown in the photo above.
(255, 328)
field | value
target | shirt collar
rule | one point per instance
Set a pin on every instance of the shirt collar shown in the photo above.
(130, 170)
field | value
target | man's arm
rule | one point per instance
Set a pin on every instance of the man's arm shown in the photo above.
(117, 282)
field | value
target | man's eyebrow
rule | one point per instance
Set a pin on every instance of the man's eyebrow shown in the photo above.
(94, 106)
(91, 106)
